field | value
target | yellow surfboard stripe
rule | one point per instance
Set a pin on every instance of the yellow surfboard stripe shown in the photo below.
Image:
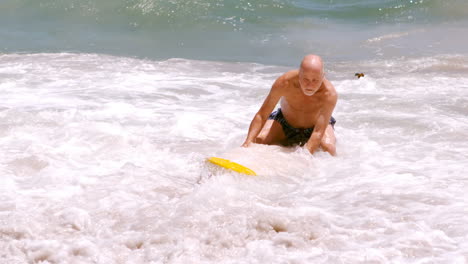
(230, 165)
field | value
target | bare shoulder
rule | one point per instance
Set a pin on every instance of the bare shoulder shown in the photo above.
(291, 75)
(287, 79)
(330, 92)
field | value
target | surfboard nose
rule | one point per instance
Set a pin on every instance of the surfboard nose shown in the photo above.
(230, 165)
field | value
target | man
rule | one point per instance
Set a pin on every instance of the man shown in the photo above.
(307, 103)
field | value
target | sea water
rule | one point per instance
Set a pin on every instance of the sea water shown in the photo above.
(109, 109)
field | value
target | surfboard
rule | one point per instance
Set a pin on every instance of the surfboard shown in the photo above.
(230, 165)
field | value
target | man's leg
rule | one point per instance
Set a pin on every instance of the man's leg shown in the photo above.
(271, 134)
(328, 142)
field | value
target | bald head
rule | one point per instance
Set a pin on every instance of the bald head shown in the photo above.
(312, 62)
(311, 74)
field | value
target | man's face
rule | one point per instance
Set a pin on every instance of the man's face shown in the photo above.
(310, 81)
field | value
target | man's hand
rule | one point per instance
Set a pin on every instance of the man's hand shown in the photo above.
(313, 143)
(309, 147)
(246, 144)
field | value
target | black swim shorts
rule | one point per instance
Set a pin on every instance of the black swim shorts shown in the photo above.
(294, 135)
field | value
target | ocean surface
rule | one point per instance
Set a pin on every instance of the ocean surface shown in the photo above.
(109, 109)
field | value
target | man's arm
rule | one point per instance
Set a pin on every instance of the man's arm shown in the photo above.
(262, 115)
(322, 123)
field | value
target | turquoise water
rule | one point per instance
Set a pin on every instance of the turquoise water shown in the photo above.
(278, 31)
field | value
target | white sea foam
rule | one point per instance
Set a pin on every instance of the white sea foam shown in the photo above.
(103, 161)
